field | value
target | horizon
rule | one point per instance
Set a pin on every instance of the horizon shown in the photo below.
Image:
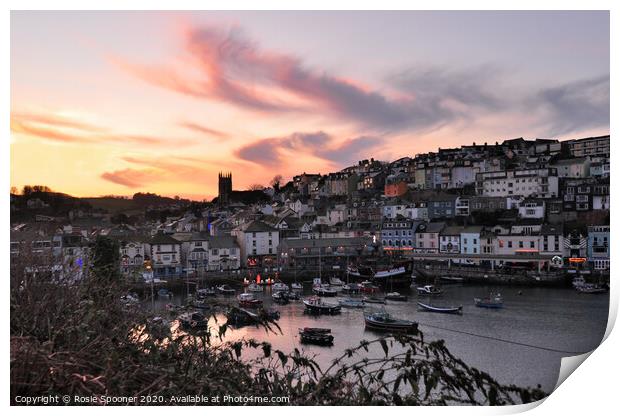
(164, 108)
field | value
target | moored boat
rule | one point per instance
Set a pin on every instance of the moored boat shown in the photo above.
(203, 293)
(297, 286)
(351, 288)
(429, 290)
(164, 293)
(396, 296)
(193, 320)
(492, 301)
(451, 279)
(316, 305)
(334, 281)
(439, 309)
(226, 290)
(280, 297)
(373, 299)
(279, 286)
(248, 300)
(383, 321)
(351, 303)
(589, 288)
(253, 287)
(317, 336)
(324, 290)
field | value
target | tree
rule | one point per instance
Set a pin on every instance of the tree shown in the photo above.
(106, 258)
(275, 182)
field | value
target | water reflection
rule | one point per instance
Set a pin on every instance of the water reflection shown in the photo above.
(557, 319)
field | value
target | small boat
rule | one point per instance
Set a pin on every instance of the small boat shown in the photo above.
(203, 293)
(451, 279)
(200, 304)
(226, 290)
(253, 287)
(430, 308)
(351, 288)
(589, 288)
(248, 300)
(368, 287)
(396, 296)
(280, 297)
(297, 286)
(317, 336)
(164, 293)
(383, 321)
(578, 282)
(351, 303)
(429, 290)
(324, 290)
(491, 302)
(279, 286)
(240, 316)
(373, 299)
(334, 281)
(316, 305)
(193, 320)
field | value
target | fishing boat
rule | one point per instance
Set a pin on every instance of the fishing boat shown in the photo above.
(203, 293)
(351, 288)
(383, 321)
(193, 320)
(351, 303)
(226, 290)
(253, 287)
(429, 290)
(280, 297)
(491, 301)
(324, 290)
(334, 281)
(373, 299)
(164, 293)
(248, 300)
(451, 279)
(396, 296)
(368, 287)
(316, 305)
(317, 336)
(297, 286)
(430, 308)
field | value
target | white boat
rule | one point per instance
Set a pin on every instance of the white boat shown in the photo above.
(297, 286)
(429, 290)
(324, 290)
(253, 287)
(334, 281)
(279, 286)
(451, 279)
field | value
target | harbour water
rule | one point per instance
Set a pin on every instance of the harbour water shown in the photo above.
(520, 344)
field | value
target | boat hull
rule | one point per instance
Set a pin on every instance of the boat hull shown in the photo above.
(394, 327)
(430, 308)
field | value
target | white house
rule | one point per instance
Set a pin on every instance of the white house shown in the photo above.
(257, 240)
(470, 240)
(532, 208)
(165, 254)
(224, 254)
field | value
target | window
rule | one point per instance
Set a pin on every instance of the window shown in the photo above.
(531, 244)
(254, 243)
(520, 244)
(510, 244)
(270, 243)
(198, 243)
(214, 252)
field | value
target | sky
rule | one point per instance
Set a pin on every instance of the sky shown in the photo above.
(121, 102)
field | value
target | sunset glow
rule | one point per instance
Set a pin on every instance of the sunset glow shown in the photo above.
(123, 102)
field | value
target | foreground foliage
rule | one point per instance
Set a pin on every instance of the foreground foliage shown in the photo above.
(80, 339)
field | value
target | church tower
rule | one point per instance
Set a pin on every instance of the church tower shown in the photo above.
(224, 188)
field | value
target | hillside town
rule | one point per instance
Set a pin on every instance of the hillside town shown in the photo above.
(525, 210)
